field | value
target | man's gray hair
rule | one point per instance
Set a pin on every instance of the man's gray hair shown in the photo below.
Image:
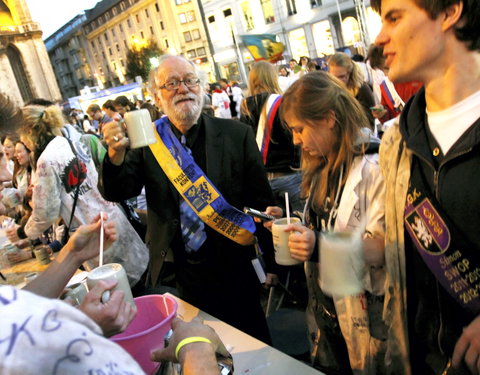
(153, 85)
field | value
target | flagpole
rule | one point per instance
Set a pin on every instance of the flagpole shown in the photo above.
(340, 19)
(241, 67)
(209, 40)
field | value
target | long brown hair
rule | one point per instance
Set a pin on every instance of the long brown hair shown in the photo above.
(355, 75)
(263, 78)
(312, 99)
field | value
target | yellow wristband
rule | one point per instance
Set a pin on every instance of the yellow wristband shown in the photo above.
(190, 340)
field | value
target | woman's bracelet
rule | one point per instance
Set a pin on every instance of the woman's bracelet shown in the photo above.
(190, 340)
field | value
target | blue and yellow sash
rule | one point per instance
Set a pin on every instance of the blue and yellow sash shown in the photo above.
(197, 190)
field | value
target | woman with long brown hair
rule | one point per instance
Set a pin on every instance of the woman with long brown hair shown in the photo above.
(344, 190)
(341, 66)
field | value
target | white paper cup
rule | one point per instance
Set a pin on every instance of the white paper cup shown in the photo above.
(111, 271)
(280, 241)
(341, 263)
(139, 128)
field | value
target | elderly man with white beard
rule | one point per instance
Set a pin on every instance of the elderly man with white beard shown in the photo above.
(198, 177)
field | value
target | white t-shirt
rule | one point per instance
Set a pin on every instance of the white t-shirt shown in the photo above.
(448, 126)
(47, 336)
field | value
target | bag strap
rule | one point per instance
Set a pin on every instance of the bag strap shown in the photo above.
(75, 199)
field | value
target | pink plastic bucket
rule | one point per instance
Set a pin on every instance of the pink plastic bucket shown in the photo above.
(146, 332)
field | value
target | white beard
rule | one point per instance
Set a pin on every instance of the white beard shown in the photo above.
(178, 115)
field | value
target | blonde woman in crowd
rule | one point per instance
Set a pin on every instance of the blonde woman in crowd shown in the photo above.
(344, 189)
(260, 110)
(341, 66)
(65, 182)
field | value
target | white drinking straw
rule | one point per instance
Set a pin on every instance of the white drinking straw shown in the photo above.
(287, 206)
(100, 258)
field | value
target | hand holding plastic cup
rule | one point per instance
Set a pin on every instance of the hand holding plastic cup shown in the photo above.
(280, 241)
(111, 271)
(139, 128)
(341, 263)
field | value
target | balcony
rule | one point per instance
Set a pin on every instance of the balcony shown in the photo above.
(19, 29)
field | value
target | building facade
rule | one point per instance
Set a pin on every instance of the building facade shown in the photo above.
(25, 69)
(67, 49)
(115, 26)
(313, 28)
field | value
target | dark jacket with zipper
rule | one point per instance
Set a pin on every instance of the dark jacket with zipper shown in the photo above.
(435, 319)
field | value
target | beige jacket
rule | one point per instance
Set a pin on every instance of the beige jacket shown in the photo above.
(395, 165)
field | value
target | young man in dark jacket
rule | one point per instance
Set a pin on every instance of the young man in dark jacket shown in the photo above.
(430, 161)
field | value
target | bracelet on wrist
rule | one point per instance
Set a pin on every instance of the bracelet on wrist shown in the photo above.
(190, 340)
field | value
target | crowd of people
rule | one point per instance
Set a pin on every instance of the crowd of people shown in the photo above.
(385, 147)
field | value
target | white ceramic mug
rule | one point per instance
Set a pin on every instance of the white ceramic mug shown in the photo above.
(280, 241)
(139, 128)
(76, 292)
(111, 271)
(342, 263)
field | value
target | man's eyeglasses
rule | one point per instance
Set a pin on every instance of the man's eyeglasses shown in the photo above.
(175, 84)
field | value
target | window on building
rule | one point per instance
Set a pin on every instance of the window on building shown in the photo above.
(121, 28)
(196, 34)
(117, 47)
(122, 5)
(114, 65)
(187, 36)
(87, 28)
(142, 35)
(211, 19)
(137, 17)
(107, 16)
(315, 3)
(267, 9)
(103, 55)
(182, 17)
(93, 44)
(151, 30)
(110, 51)
(291, 7)
(191, 16)
(166, 43)
(125, 43)
(157, 8)
(227, 12)
(122, 63)
(191, 54)
(94, 24)
(146, 13)
(113, 32)
(247, 15)
(161, 25)
(105, 36)
(100, 20)
(201, 51)
(115, 11)
(129, 23)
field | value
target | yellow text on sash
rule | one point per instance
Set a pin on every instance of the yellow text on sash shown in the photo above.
(199, 195)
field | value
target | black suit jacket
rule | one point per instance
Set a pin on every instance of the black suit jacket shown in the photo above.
(234, 166)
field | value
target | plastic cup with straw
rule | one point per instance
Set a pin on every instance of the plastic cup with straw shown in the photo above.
(287, 206)
(100, 258)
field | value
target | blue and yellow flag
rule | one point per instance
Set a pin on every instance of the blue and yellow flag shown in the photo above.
(263, 47)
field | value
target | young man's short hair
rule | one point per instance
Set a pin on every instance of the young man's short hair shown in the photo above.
(93, 108)
(467, 29)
